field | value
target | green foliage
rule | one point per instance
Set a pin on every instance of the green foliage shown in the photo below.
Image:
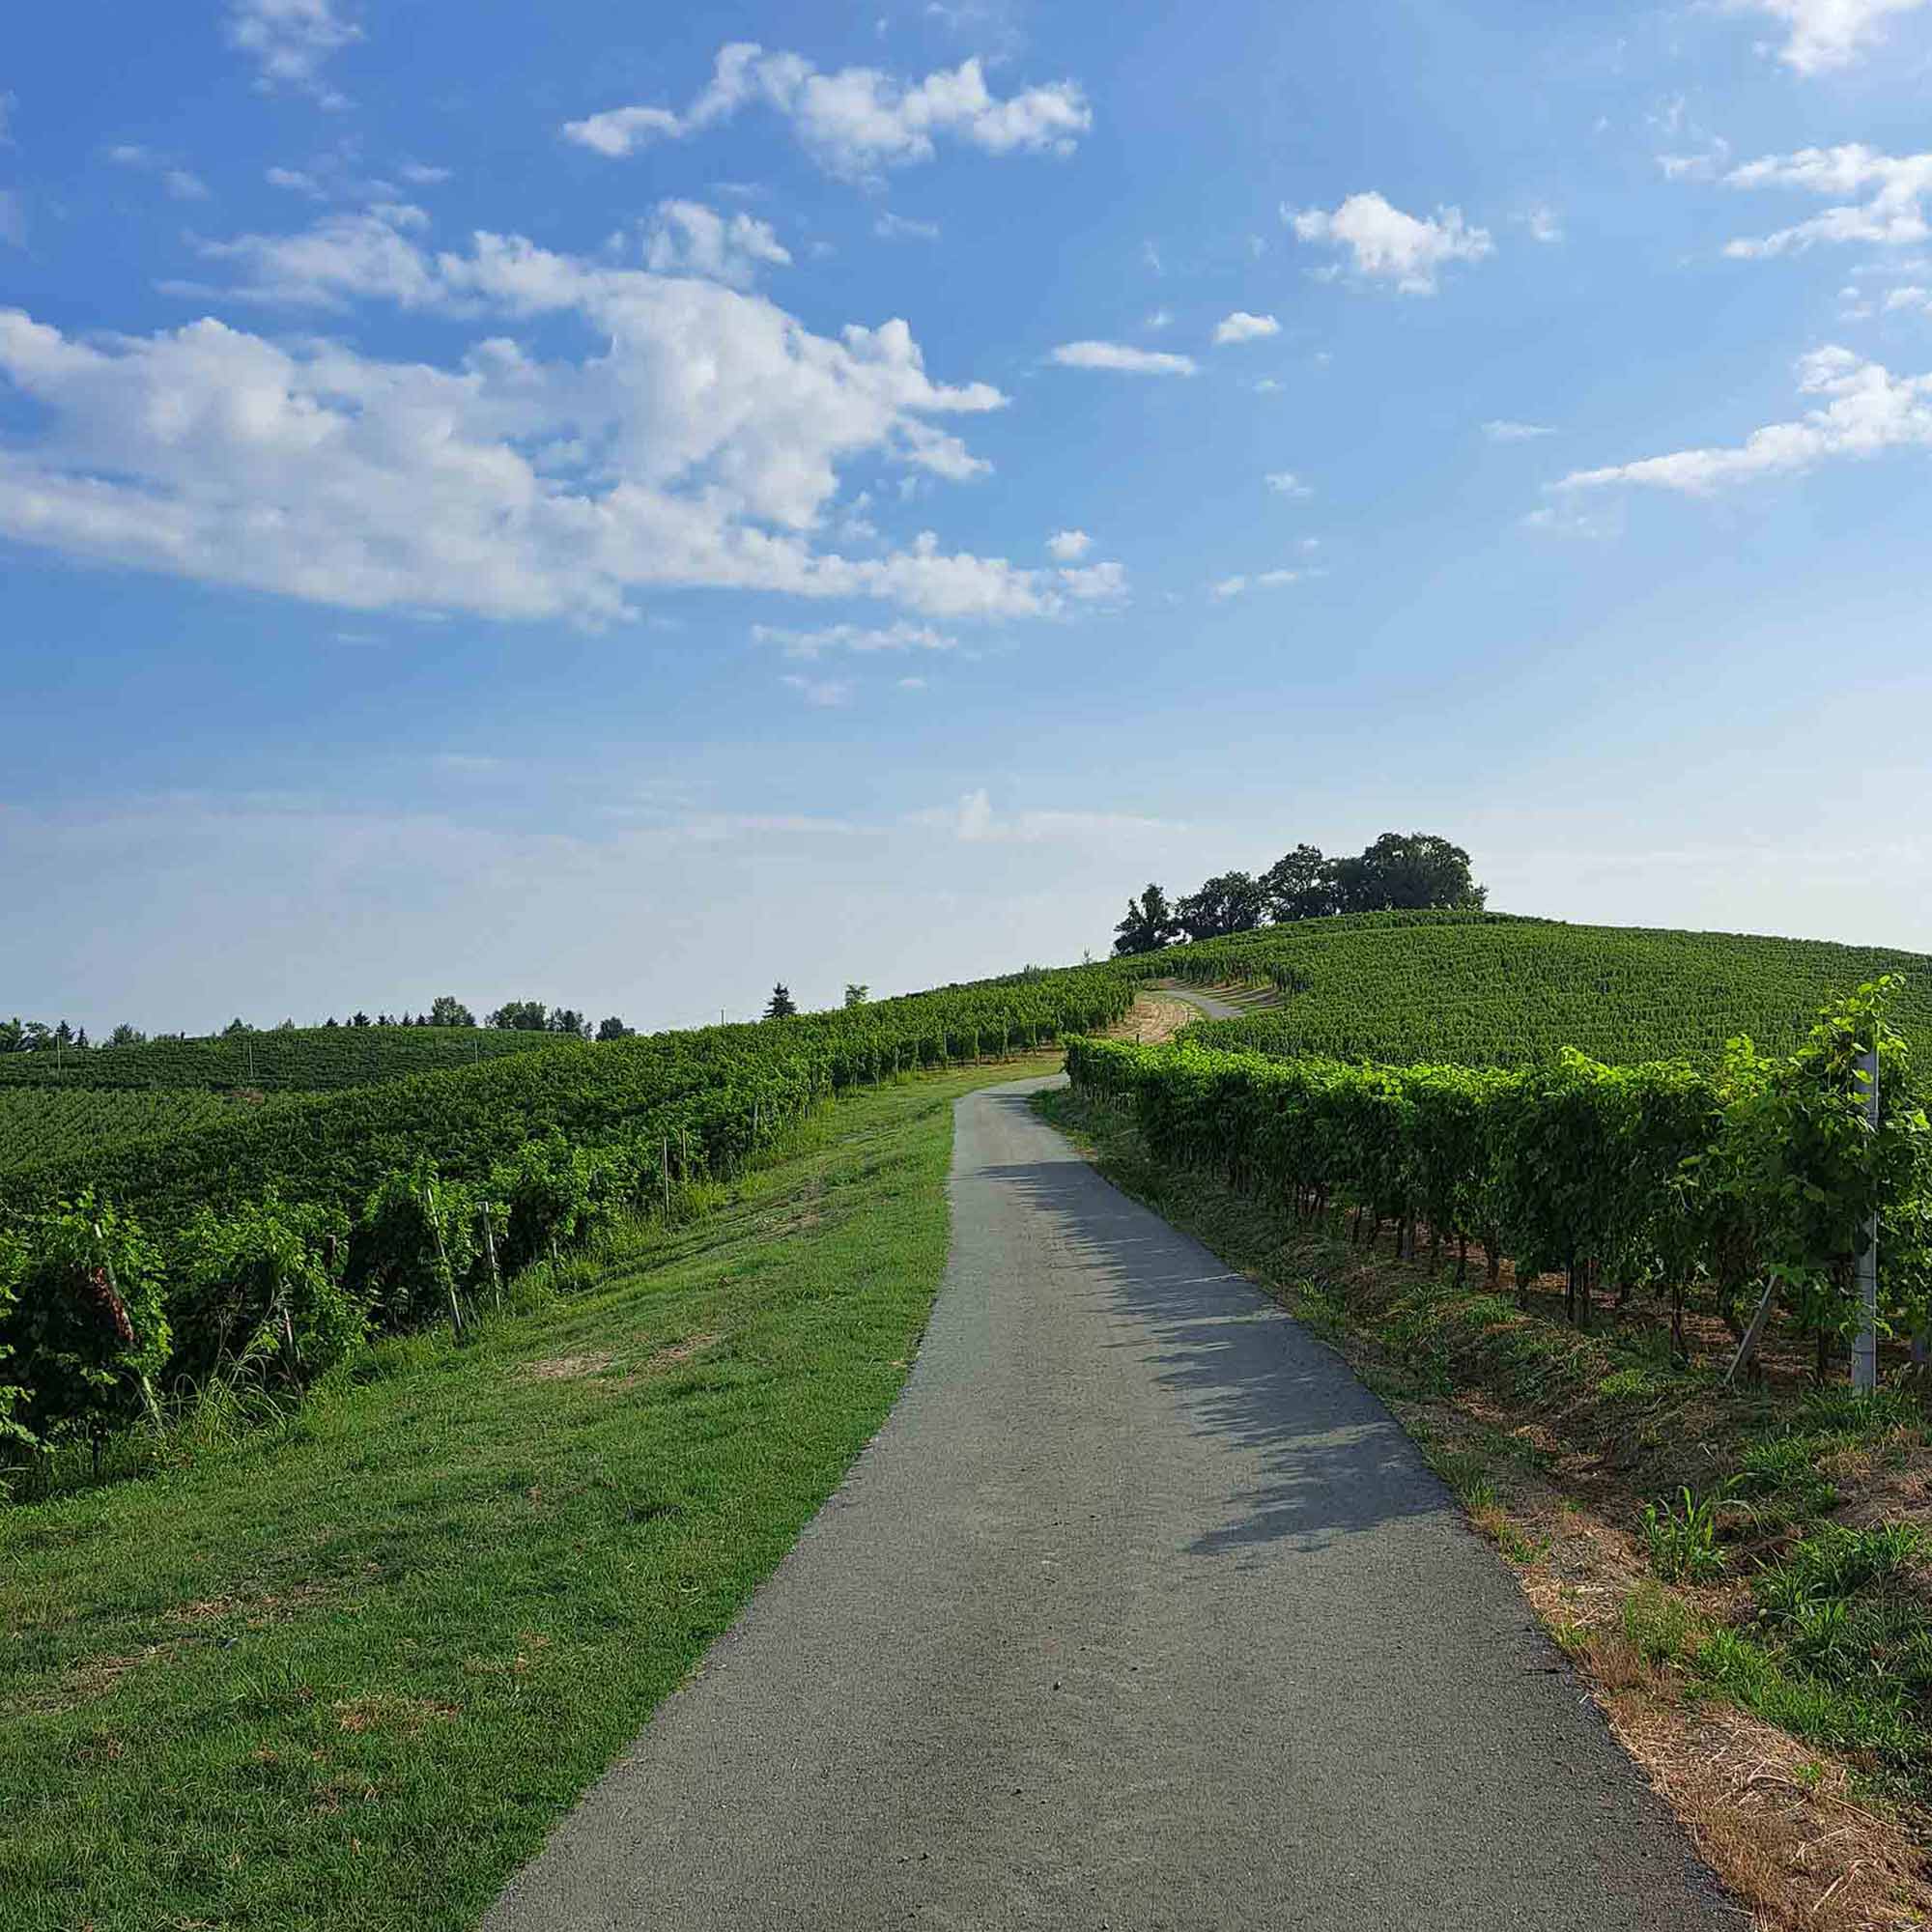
(257, 1293)
(1482, 989)
(781, 1005)
(1643, 1174)
(308, 1060)
(548, 1190)
(415, 1246)
(1682, 1539)
(81, 1321)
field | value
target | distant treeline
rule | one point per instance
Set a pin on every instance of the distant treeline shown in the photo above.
(1401, 871)
(18, 1035)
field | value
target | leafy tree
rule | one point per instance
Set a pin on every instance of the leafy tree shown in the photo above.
(781, 1005)
(1403, 871)
(237, 1025)
(448, 1010)
(1299, 885)
(520, 1017)
(856, 995)
(129, 1036)
(1229, 903)
(361, 1020)
(81, 1041)
(1148, 925)
(568, 1020)
(612, 1029)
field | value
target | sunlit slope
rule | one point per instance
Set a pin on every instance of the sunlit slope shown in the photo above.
(1485, 990)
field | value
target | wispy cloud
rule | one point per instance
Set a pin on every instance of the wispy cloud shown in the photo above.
(1242, 326)
(289, 40)
(1502, 429)
(1123, 357)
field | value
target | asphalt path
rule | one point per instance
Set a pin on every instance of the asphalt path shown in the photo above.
(1207, 1005)
(1140, 1611)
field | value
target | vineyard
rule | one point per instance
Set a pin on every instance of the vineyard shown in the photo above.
(263, 1239)
(308, 1060)
(1660, 1178)
(1482, 989)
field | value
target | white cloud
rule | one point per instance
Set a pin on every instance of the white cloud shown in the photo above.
(1892, 216)
(1095, 583)
(1242, 326)
(1503, 430)
(901, 636)
(289, 40)
(1827, 34)
(697, 442)
(1544, 223)
(181, 182)
(858, 120)
(1160, 318)
(342, 258)
(890, 227)
(1911, 297)
(1122, 357)
(688, 239)
(420, 174)
(1068, 546)
(1385, 244)
(1286, 483)
(1571, 521)
(1869, 409)
(1262, 580)
(826, 693)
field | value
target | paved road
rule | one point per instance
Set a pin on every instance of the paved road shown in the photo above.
(1212, 1008)
(1140, 1612)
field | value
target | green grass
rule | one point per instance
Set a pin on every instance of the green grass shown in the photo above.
(345, 1674)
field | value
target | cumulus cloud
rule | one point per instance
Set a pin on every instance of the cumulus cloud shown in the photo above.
(1123, 357)
(1868, 409)
(289, 40)
(688, 239)
(1068, 546)
(1890, 215)
(1502, 430)
(699, 443)
(1827, 34)
(1095, 583)
(858, 121)
(1242, 326)
(1385, 244)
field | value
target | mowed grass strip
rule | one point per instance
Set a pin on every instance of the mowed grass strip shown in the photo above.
(348, 1674)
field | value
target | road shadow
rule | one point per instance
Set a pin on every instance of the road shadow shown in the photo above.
(1332, 1462)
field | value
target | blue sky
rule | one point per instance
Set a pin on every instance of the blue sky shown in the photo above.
(556, 502)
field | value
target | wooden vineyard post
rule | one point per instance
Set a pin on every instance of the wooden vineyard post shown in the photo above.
(442, 1267)
(490, 1249)
(1864, 1346)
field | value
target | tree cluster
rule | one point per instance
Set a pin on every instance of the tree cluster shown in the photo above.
(18, 1035)
(1402, 870)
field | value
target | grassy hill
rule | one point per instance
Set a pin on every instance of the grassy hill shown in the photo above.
(1484, 989)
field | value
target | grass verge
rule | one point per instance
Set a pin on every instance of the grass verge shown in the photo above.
(346, 1673)
(1742, 1576)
